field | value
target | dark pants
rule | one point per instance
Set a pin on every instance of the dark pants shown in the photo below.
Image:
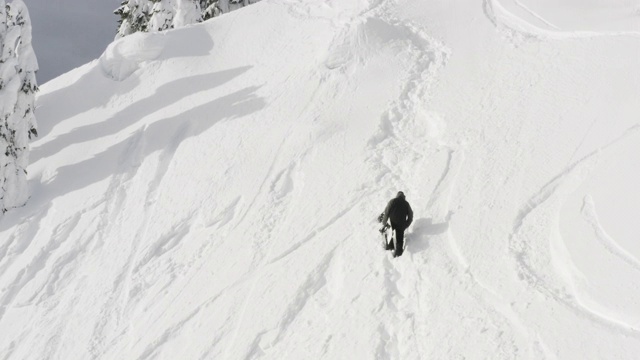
(398, 240)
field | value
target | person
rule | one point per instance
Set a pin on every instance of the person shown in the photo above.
(400, 214)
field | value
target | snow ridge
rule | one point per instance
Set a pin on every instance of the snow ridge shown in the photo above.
(519, 29)
(562, 185)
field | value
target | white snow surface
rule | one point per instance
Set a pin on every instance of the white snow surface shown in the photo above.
(125, 55)
(220, 201)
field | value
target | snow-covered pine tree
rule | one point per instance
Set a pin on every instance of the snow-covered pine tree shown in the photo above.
(187, 12)
(162, 15)
(209, 8)
(226, 6)
(134, 16)
(17, 88)
(9, 86)
(159, 15)
(27, 67)
(8, 79)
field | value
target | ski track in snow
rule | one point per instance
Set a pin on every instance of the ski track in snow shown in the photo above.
(154, 346)
(61, 264)
(315, 281)
(437, 190)
(492, 302)
(20, 240)
(394, 140)
(317, 231)
(281, 187)
(520, 250)
(116, 193)
(429, 56)
(519, 30)
(392, 125)
(45, 269)
(535, 15)
(37, 264)
(141, 258)
(124, 290)
(400, 337)
(591, 216)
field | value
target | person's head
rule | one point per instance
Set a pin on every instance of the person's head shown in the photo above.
(400, 195)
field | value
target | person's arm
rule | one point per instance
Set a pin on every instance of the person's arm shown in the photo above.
(386, 213)
(409, 215)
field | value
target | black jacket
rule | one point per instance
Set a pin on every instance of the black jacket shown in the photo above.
(399, 212)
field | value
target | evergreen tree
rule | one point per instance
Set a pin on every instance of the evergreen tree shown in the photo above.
(134, 16)
(18, 65)
(209, 8)
(162, 15)
(27, 67)
(9, 87)
(187, 12)
(226, 6)
(159, 15)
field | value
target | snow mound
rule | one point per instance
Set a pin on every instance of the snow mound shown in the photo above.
(124, 56)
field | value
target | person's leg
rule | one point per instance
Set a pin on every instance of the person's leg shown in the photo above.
(399, 242)
(389, 236)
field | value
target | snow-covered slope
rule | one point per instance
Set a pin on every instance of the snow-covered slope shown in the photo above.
(211, 192)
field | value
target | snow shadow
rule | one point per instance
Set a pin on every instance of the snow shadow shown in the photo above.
(90, 90)
(423, 228)
(164, 134)
(164, 96)
(199, 43)
(93, 89)
(121, 160)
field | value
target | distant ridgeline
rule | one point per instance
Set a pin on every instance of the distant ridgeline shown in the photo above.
(158, 15)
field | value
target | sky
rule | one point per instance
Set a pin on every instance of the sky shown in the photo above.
(70, 33)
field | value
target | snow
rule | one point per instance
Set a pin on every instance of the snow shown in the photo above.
(573, 15)
(125, 55)
(162, 15)
(188, 12)
(17, 104)
(211, 192)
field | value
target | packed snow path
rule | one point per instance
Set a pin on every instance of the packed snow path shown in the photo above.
(211, 192)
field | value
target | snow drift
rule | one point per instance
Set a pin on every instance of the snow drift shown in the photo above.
(124, 56)
(219, 201)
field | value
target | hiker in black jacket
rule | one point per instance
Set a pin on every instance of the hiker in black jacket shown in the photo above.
(399, 212)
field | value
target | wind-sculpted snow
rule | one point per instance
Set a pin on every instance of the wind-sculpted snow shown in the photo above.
(211, 192)
(124, 56)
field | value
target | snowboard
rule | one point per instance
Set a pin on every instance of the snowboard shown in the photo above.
(387, 234)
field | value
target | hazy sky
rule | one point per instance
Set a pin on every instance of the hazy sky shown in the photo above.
(69, 33)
